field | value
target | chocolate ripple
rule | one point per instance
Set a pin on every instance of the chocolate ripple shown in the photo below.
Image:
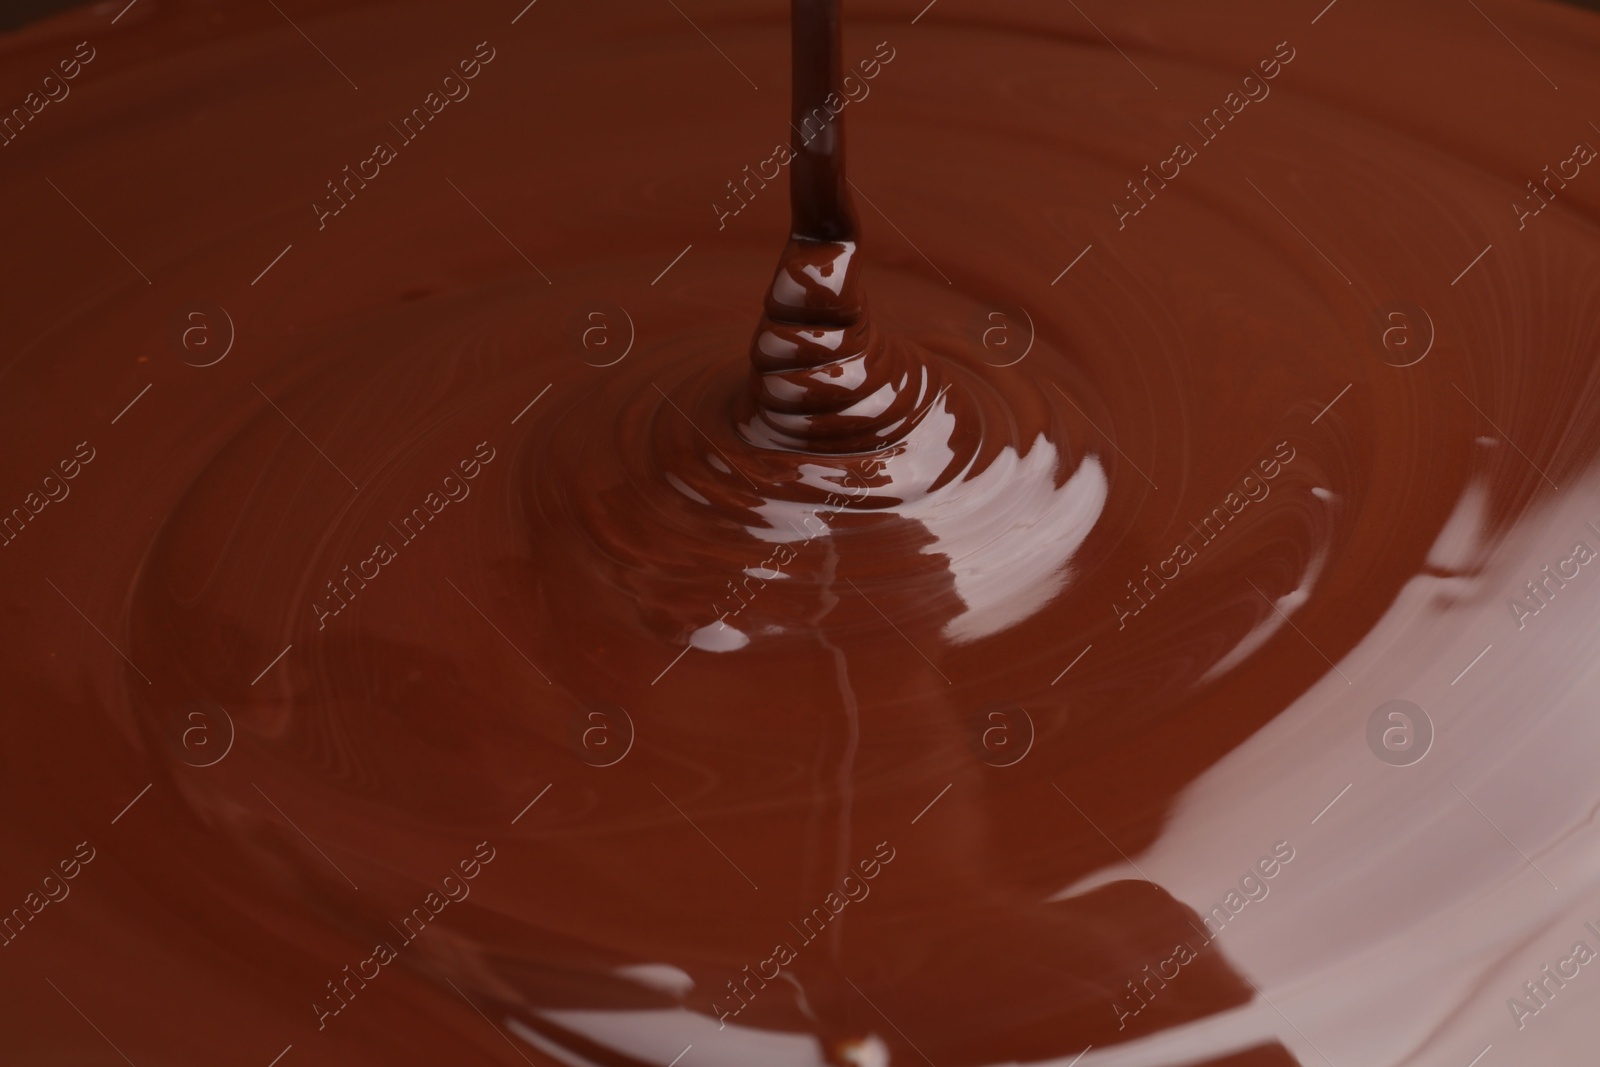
(794, 609)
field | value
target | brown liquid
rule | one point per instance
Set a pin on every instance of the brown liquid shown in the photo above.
(755, 636)
(822, 380)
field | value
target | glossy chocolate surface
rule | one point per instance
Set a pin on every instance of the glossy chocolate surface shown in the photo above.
(1130, 594)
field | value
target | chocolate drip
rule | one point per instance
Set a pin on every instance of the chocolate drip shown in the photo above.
(819, 202)
(821, 379)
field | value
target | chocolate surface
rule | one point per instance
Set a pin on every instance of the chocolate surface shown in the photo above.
(1153, 627)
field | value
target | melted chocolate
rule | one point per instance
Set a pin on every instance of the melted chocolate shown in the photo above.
(822, 382)
(432, 641)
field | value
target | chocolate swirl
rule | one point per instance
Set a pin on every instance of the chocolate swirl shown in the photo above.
(821, 380)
